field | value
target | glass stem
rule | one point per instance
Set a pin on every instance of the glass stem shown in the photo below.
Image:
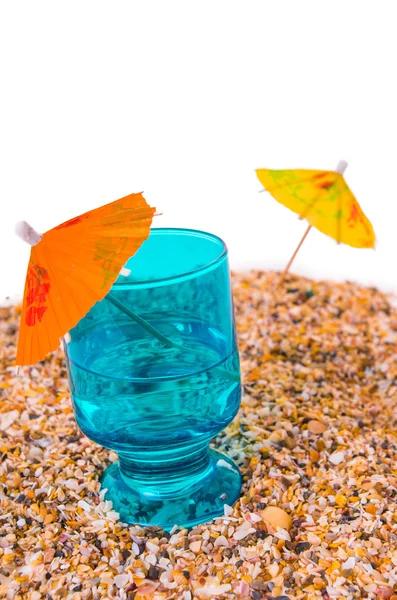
(187, 460)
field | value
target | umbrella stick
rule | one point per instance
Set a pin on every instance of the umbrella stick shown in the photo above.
(140, 321)
(291, 260)
(160, 336)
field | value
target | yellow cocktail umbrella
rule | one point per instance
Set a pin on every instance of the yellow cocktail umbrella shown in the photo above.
(324, 199)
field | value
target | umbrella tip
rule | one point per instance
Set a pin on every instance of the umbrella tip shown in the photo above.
(27, 233)
(341, 167)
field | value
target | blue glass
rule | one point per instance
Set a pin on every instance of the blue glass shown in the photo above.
(157, 399)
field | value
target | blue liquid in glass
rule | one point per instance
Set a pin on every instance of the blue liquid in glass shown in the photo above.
(158, 405)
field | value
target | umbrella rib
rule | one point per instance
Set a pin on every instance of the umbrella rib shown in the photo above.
(316, 199)
(70, 291)
(104, 208)
(83, 248)
(94, 267)
(123, 218)
(307, 210)
(33, 348)
(126, 310)
(47, 334)
(69, 276)
(53, 281)
(53, 345)
(24, 345)
(283, 186)
(339, 220)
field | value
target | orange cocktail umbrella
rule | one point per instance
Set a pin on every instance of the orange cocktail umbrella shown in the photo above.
(73, 266)
(324, 199)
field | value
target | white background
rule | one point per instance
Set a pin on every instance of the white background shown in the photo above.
(184, 100)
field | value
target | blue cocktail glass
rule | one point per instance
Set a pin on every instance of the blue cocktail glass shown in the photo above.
(157, 399)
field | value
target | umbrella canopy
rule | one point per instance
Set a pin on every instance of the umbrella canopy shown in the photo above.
(73, 266)
(324, 199)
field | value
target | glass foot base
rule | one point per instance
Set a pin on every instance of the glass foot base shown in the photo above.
(189, 502)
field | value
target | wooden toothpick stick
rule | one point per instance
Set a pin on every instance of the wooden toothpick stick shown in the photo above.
(291, 260)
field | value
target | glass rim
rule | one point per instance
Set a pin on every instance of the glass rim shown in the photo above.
(173, 278)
